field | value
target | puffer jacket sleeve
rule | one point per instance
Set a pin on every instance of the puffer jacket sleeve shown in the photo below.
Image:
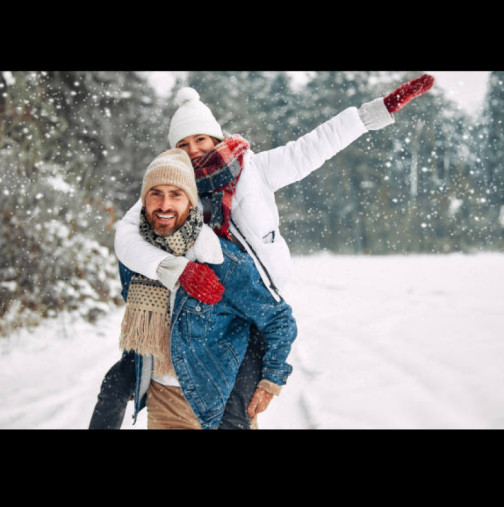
(132, 250)
(297, 159)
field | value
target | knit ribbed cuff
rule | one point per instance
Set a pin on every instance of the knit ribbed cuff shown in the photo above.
(269, 387)
(375, 115)
(170, 269)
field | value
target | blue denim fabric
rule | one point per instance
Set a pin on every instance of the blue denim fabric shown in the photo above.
(208, 342)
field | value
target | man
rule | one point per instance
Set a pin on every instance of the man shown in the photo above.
(187, 353)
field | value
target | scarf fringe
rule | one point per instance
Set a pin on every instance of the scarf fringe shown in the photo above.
(148, 333)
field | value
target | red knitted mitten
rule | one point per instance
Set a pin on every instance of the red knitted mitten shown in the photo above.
(408, 91)
(201, 283)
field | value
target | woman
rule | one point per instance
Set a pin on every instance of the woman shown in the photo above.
(237, 187)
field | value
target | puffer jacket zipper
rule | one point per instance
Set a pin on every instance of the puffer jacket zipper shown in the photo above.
(272, 287)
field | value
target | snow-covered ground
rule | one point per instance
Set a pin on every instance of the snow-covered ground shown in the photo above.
(384, 342)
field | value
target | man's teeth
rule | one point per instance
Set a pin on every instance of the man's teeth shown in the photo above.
(165, 216)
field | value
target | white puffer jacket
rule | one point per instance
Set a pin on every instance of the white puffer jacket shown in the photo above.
(254, 213)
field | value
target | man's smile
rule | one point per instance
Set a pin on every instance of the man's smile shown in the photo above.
(164, 217)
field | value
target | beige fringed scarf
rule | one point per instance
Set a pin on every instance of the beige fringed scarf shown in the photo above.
(146, 323)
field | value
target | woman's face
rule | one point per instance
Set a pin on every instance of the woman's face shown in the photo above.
(196, 146)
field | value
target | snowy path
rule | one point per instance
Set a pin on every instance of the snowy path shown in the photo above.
(384, 342)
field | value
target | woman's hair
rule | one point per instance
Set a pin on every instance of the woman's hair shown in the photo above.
(214, 139)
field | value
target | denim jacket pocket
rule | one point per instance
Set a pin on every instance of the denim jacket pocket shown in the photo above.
(228, 354)
(196, 318)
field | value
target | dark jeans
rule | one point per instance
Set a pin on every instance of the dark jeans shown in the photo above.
(117, 388)
(119, 384)
(235, 415)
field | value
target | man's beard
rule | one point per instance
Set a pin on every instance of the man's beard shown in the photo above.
(169, 228)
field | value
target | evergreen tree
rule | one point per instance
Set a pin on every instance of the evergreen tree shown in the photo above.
(115, 128)
(490, 167)
(74, 147)
(494, 115)
(63, 143)
(237, 99)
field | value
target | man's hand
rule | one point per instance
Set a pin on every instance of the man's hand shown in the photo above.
(201, 283)
(259, 402)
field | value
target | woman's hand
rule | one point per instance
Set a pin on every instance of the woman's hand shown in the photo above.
(407, 92)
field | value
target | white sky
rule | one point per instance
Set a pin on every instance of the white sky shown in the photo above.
(468, 88)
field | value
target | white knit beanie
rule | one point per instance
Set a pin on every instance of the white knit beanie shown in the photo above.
(172, 167)
(192, 118)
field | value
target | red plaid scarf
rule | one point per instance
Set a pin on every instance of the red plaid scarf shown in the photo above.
(217, 173)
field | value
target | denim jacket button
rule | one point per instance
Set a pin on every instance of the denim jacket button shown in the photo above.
(198, 308)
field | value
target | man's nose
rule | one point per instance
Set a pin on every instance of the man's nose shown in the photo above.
(165, 203)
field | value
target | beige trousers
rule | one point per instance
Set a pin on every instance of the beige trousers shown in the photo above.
(167, 409)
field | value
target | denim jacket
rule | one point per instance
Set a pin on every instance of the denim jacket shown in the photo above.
(208, 342)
